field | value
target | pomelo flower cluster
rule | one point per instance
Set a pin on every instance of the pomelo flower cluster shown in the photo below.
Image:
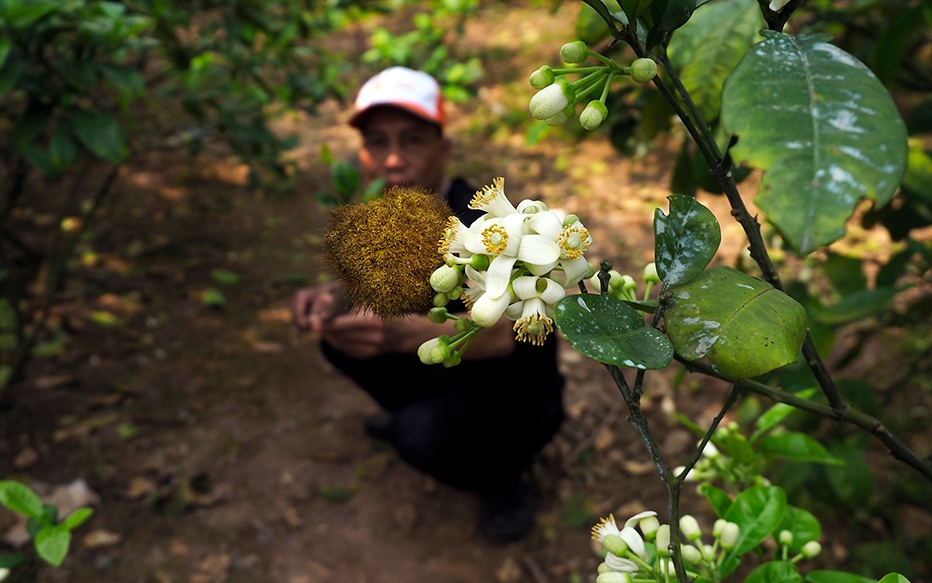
(556, 100)
(513, 261)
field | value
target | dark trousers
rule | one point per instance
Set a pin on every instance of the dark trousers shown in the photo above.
(475, 426)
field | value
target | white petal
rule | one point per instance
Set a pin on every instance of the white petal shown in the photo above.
(616, 563)
(514, 227)
(514, 310)
(634, 520)
(575, 270)
(553, 293)
(488, 310)
(634, 540)
(546, 223)
(477, 277)
(538, 250)
(498, 276)
(525, 287)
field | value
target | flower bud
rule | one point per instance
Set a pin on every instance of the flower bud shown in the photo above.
(663, 540)
(691, 554)
(425, 349)
(437, 315)
(552, 99)
(811, 549)
(480, 262)
(718, 526)
(444, 279)
(613, 577)
(574, 52)
(453, 359)
(562, 116)
(593, 115)
(649, 526)
(730, 533)
(785, 538)
(542, 77)
(570, 219)
(708, 552)
(689, 526)
(643, 70)
(455, 293)
(463, 325)
(614, 544)
(441, 299)
(650, 273)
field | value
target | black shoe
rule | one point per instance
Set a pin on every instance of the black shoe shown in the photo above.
(508, 514)
(379, 426)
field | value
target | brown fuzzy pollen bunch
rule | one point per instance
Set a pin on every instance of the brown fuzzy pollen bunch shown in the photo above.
(385, 250)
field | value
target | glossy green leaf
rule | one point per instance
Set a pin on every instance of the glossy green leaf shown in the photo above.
(757, 511)
(743, 325)
(842, 577)
(52, 544)
(101, 134)
(851, 482)
(797, 447)
(20, 498)
(708, 47)
(719, 499)
(685, 241)
(802, 525)
(610, 332)
(775, 572)
(918, 177)
(822, 126)
(888, 578)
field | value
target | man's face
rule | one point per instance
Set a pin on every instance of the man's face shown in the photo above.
(403, 149)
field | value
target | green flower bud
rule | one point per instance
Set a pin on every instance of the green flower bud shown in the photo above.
(593, 115)
(614, 544)
(811, 549)
(570, 219)
(708, 552)
(425, 351)
(463, 324)
(603, 568)
(552, 99)
(785, 538)
(437, 315)
(445, 278)
(649, 526)
(718, 527)
(454, 359)
(574, 52)
(456, 293)
(480, 262)
(689, 526)
(561, 117)
(440, 300)
(542, 77)
(643, 70)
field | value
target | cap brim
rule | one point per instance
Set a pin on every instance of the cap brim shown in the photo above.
(358, 117)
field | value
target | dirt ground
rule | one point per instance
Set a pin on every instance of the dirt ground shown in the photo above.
(217, 445)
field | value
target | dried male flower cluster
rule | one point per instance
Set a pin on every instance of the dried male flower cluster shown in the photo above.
(385, 250)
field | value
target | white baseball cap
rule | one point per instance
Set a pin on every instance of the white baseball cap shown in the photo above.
(414, 91)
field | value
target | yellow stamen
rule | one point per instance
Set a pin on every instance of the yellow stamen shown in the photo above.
(495, 239)
(602, 523)
(533, 329)
(449, 233)
(485, 196)
(574, 241)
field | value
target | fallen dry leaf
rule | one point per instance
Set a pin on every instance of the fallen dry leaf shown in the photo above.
(101, 538)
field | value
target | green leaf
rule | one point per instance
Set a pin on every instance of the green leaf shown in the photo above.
(685, 241)
(858, 306)
(918, 177)
(851, 482)
(76, 518)
(669, 15)
(776, 414)
(802, 525)
(607, 330)
(126, 80)
(842, 577)
(743, 325)
(889, 578)
(101, 134)
(20, 498)
(52, 544)
(5, 46)
(757, 511)
(719, 499)
(797, 447)
(709, 46)
(775, 572)
(345, 178)
(822, 126)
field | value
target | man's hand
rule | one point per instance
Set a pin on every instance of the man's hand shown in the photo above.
(357, 334)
